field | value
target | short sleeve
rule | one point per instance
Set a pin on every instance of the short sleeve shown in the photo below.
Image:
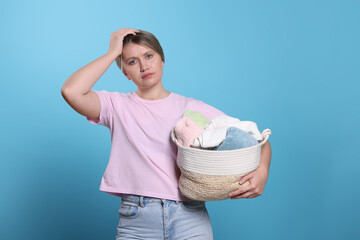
(107, 108)
(205, 109)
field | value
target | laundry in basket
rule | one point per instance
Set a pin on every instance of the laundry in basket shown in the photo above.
(208, 175)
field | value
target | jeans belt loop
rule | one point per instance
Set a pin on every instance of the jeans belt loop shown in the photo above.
(141, 201)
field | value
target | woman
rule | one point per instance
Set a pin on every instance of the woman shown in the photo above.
(142, 166)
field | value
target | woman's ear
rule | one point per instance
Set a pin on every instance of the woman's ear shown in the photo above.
(162, 63)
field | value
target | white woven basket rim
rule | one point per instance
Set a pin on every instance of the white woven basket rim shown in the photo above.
(266, 134)
(220, 163)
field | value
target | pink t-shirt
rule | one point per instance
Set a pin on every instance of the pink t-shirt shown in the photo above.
(143, 156)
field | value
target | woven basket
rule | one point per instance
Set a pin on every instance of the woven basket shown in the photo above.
(209, 175)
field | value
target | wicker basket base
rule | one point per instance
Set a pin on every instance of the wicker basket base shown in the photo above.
(203, 187)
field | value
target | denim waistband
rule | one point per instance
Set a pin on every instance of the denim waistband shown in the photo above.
(143, 200)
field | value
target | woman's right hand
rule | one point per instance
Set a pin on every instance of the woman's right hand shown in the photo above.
(116, 39)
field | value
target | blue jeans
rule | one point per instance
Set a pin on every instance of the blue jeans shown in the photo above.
(153, 218)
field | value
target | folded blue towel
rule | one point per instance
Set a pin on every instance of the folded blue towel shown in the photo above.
(236, 139)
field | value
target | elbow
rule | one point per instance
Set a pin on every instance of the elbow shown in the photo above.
(64, 92)
(67, 94)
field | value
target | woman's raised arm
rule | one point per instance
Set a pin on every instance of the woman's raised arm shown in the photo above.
(77, 88)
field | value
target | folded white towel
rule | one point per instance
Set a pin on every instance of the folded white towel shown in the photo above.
(215, 131)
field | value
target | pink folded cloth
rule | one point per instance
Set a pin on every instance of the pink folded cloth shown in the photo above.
(186, 131)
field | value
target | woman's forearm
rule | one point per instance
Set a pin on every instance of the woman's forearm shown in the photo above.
(265, 158)
(81, 81)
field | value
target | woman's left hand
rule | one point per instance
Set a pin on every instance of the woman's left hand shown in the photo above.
(255, 188)
(256, 178)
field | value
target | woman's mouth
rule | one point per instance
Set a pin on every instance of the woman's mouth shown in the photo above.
(146, 75)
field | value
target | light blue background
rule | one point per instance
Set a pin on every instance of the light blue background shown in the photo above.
(291, 66)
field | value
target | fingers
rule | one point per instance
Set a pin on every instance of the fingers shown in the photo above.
(121, 33)
(249, 194)
(128, 29)
(125, 31)
(249, 191)
(255, 188)
(117, 37)
(240, 191)
(245, 195)
(245, 178)
(131, 31)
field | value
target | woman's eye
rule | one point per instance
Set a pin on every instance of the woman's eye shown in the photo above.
(149, 56)
(132, 62)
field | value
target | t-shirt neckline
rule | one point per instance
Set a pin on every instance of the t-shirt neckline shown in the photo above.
(151, 101)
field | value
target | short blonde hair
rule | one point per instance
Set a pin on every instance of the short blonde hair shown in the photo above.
(144, 38)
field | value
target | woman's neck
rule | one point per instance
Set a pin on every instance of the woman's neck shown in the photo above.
(153, 93)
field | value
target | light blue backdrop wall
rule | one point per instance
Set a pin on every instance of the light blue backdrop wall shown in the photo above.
(291, 66)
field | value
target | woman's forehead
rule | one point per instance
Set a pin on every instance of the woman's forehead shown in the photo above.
(133, 49)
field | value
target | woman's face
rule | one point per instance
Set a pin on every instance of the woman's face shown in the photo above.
(142, 65)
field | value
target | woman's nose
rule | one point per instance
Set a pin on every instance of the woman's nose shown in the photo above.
(143, 67)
